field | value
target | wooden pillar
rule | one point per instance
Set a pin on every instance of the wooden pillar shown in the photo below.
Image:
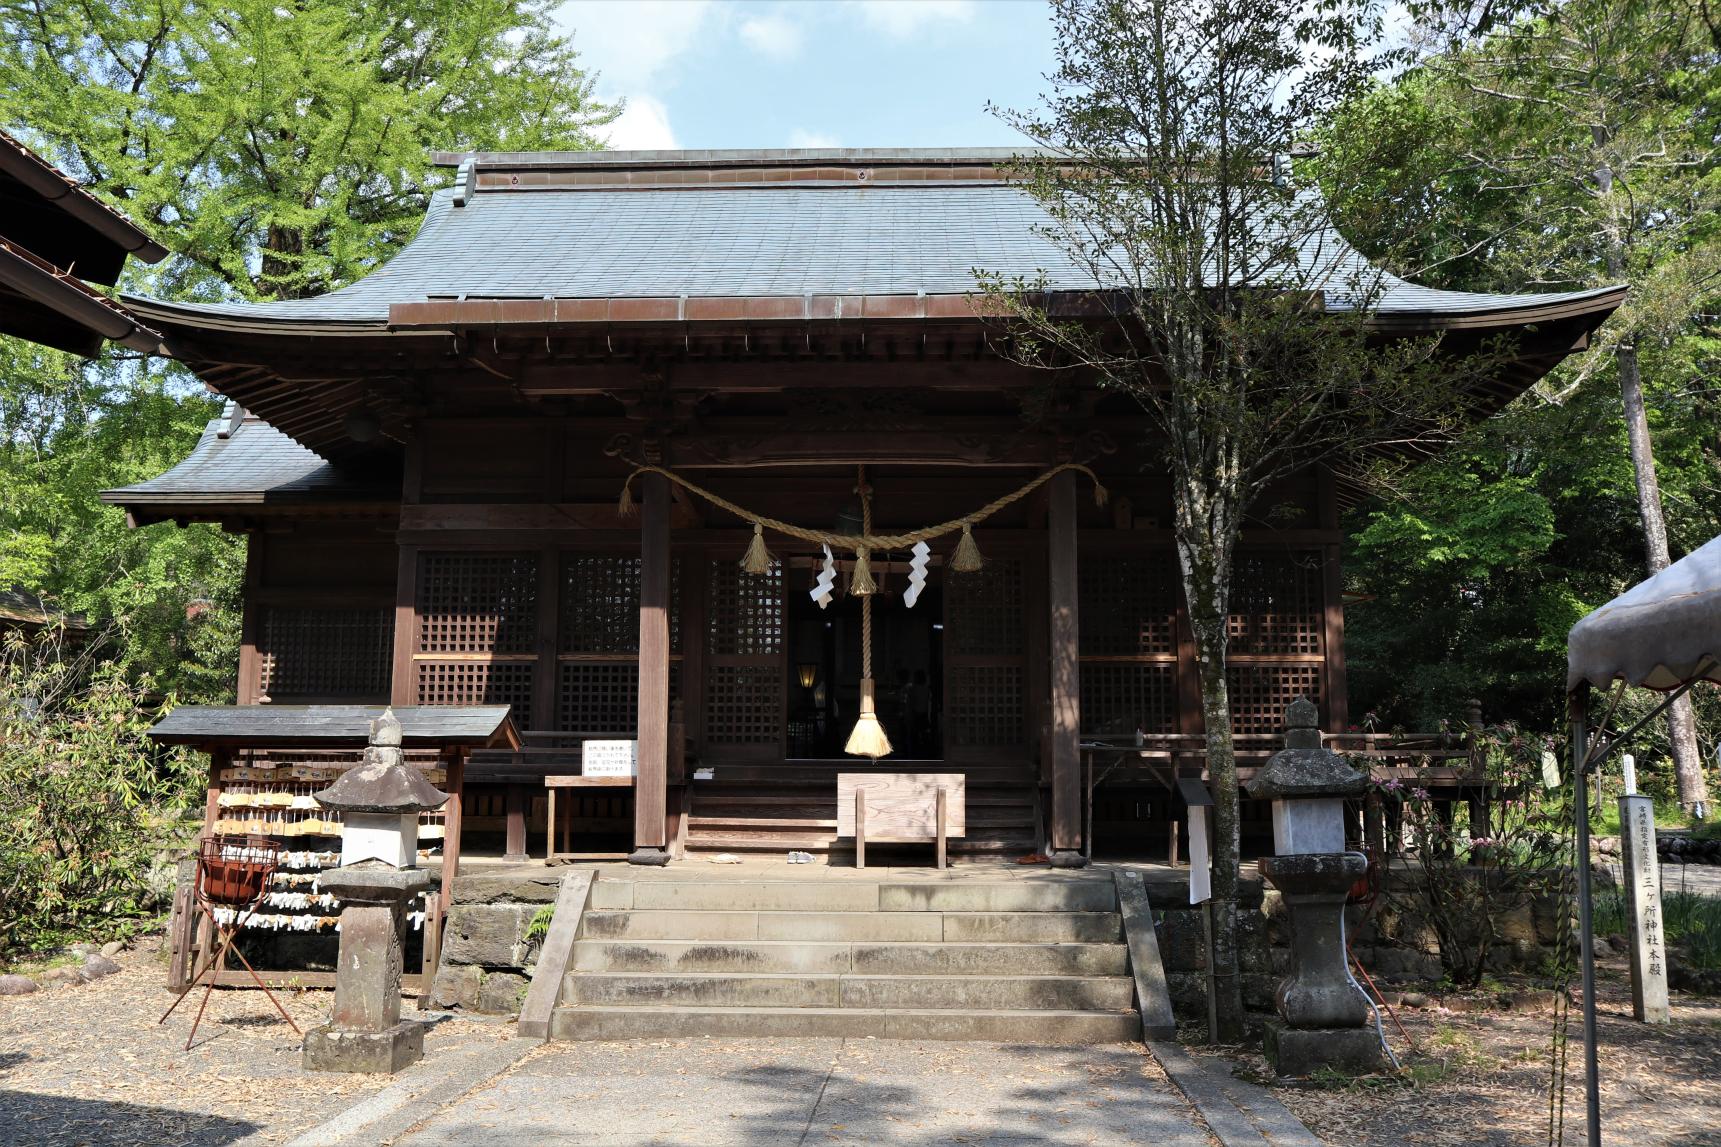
(650, 810)
(518, 797)
(1065, 666)
(250, 657)
(404, 676)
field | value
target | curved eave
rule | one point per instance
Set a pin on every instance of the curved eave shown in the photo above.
(447, 315)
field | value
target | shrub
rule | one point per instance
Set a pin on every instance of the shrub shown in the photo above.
(1467, 881)
(86, 802)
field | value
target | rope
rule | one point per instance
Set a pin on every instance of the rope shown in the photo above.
(865, 493)
(867, 540)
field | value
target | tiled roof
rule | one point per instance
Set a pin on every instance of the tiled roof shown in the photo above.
(247, 461)
(780, 239)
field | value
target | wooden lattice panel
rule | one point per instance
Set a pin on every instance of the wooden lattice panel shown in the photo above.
(478, 683)
(1119, 697)
(1128, 604)
(1261, 693)
(332, 653)
(600, 604)
(984, 611)
(477, 603)
(603, 697)
(744, 704)
(984, 707)
(1277, 603)
(745, 615)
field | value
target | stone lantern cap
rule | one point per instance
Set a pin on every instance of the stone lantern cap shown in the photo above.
(1303, 769)
(383, 783)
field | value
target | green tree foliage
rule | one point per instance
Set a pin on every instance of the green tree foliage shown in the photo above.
(278, 150)
(1564, 146)
(86, 803)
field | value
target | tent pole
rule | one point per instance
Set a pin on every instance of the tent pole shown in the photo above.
(1577, 708)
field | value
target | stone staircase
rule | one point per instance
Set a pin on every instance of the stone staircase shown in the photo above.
(1029, 960)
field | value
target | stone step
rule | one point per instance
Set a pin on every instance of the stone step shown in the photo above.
(1004, 1026)
(829, 990)
(931, 895)
(905, 959)
(878, 927)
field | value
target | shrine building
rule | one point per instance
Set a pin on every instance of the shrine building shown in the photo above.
(429, 467)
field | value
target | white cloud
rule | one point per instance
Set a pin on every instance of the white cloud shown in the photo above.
(630, 42)
(642, 126)
(904, 18)
(801, 137)
(771, 36)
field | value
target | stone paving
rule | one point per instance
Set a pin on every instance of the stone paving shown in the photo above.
(796, 1092)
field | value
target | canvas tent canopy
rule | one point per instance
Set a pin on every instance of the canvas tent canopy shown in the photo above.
(1660, 634)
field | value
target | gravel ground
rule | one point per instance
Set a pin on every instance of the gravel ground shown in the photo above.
(87, 1064)
(1480, 1078)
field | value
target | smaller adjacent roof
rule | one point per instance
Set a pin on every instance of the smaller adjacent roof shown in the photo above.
(242, 460)
(55, 238)
(1660, 633)
(332, 726)
(21, 607)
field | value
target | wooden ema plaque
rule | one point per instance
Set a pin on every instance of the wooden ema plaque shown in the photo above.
(900, 807)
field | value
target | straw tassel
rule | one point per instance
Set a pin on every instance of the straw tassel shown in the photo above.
(861, 582)
(868, 738)
(625, 506)
(757, 559)
(1101, 494)
(967, 557)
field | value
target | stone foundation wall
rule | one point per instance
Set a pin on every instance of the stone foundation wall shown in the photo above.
(1390, 943)
(487, 962)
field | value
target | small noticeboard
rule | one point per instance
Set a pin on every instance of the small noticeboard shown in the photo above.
(609, 759)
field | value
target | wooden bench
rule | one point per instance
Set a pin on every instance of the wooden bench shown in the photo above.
(901, 807)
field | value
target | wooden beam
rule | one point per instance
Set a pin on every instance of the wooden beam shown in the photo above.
(1064, 634)
(650, 789)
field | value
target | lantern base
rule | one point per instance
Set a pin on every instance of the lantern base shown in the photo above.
(1299, 1052)
(329, 1048)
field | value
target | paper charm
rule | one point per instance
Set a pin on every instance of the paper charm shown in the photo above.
(916, 574)
(827, 578)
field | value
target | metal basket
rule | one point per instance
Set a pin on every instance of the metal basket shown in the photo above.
(235, 870)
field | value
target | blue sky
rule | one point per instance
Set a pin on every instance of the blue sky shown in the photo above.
(813, 73)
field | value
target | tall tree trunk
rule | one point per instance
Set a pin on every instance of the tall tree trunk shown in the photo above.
(1210, 646)
(1205, 537)
(1681, 723)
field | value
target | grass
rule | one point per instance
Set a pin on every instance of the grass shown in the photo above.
(1689, 919)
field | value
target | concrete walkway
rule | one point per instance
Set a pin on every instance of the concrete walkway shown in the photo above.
(799, 1092)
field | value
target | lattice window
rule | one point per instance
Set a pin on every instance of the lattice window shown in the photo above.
(600, 604)
(1277, 603)
(984, 611)
(1261, 693)
(1128, 604)
(744, 704)
(478, 683)
(746, 610)
(1120, 697)
(477, 603)
(603, 696)
(985, 705)
(325, 652)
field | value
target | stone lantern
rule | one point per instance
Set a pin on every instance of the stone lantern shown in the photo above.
(1323, 1014)
(380, 800)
